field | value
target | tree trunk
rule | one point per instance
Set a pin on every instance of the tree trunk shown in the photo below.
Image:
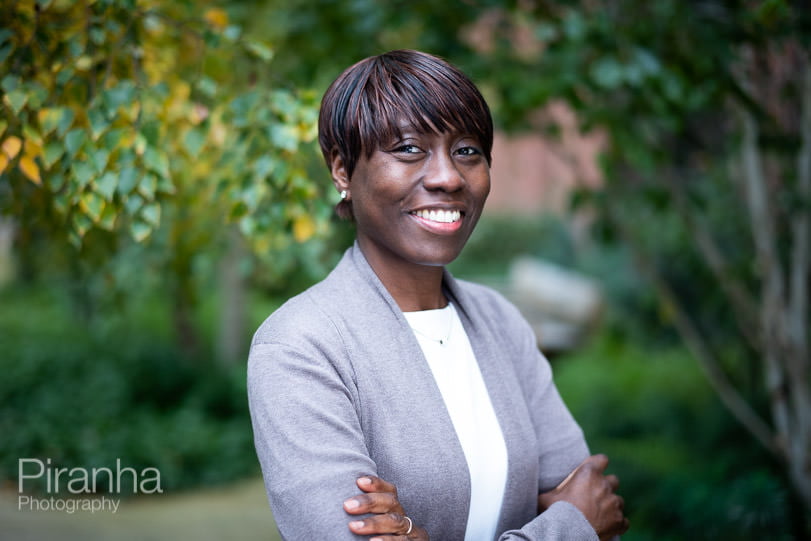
(232, 317)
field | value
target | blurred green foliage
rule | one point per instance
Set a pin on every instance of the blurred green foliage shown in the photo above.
(687, 470)
(85, 397)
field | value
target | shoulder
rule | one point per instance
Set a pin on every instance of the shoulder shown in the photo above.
(312, 315)
(488, 303)
(299, 317)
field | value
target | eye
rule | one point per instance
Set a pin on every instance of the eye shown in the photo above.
(408, 149)
(468, 151)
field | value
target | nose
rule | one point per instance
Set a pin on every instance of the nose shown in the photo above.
(443, 174)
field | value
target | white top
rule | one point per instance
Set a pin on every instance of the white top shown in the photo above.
(445, 345)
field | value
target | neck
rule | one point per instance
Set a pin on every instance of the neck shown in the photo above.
(414, 287)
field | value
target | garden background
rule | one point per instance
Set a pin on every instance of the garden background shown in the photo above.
(161, 193)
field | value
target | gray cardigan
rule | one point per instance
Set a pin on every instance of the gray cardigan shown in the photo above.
(339, 388)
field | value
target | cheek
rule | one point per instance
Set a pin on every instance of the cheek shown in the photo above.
(482, 187)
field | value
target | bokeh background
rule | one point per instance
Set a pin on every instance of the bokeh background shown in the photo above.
(161, 192)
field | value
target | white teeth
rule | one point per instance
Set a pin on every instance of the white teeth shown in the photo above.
(443, 216)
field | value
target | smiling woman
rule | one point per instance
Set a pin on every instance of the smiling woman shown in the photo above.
(392, 400)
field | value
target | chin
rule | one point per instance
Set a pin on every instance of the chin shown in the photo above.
(440, 258)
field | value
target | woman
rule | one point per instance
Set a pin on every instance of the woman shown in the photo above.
(391, 399)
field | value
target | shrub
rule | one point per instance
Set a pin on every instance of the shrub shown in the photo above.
(84, 397)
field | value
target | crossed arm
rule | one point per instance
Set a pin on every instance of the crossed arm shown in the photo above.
(587, 488)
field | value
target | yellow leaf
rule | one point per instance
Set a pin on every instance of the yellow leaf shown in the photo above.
(32, 148)
(12, 146)
(84, 63)
(217, 18)
(303, 228)
(3, 162)
(30, 169)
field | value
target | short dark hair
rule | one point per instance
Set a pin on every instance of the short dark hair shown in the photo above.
(367, 102)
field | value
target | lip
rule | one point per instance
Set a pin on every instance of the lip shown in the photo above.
(438, 227)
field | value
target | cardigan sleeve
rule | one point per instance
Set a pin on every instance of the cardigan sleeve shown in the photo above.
(561, 522)
(561, 445)
(308, 440)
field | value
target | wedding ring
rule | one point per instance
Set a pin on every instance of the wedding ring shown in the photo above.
(410, 525)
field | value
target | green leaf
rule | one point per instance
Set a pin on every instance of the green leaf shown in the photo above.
(112, 138)
(156, 161)
(151, 213)
(98, 123)
(264, 166)
(66, 117)
(194, 141)
(48, 119)
(232, 32)
(99, 159)
(92, 205)
(165, 185)
(607, 73)
(10, 82)
(151, 132)
(74, 140)
(140, 231)
(81, 224)
(148, 186)
(259, 50)
(207, 86)
(284, 136)
(238, 210)
(16, 100)
(106, 185)
(83, 172)
(5, 51)
(121, 94)
(37, 94)
(97, 35)
(52, 152)
(3, 126)
(133, 204)
(61, 199)
(127, 180)
(241, 107)
(64, 75)
(108, 217)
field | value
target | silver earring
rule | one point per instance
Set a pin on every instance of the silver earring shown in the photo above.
(343, 195)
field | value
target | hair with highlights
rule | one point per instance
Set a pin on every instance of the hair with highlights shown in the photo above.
(367, 103)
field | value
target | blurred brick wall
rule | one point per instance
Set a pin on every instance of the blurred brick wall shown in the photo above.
(534, 173)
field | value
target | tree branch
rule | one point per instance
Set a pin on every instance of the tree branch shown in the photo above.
(743, 305)
(797, 311)
(763, 222)
(697, 346)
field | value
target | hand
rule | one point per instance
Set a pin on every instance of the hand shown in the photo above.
(380, 498)
(593, 494)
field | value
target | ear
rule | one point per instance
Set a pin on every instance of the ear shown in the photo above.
(340, 179)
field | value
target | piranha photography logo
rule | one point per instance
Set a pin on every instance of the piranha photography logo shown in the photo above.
(70, 490)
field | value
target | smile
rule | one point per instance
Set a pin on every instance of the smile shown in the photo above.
(441, 216)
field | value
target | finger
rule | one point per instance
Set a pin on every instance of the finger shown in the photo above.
(370, 483)
(599, 462)
(613, 482)
(386, 523)
(375, 502)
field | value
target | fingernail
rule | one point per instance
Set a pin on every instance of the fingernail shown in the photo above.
(356, 524)
(376, 539)
(352, 504)
(364, 481)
